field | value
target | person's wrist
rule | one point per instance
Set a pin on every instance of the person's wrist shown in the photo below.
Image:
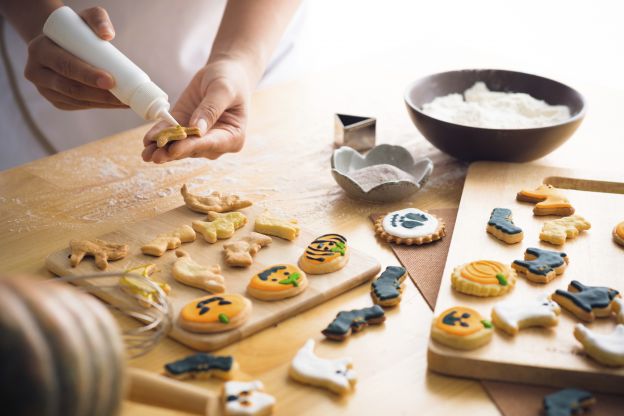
(248, 63)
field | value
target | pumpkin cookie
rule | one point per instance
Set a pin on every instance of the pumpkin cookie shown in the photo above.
(502, 227)
(279, 227)
(327, 254)
(216, 202)
(278, 282)
(541, 266)
(483, 278)
(618, 233)
(557, 231)
(101, 251)
(174, 133)
(549, 200)
(586, 302)
(215, 313)
(461, 328)
(409, 226)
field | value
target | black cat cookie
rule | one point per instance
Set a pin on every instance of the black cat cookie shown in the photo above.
(501, 226)
(586, 302)
(387, 288)
(202, 366)
(409, 226)
(567, 402)
(541, 266)
(353, 321)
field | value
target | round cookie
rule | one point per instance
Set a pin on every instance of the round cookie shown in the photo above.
(461, 328)
(618, 233)
(213, 313)
(409, 226)
(277, 282)
(483, 278)
(326, 254)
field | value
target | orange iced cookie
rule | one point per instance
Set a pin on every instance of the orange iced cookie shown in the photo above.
(278, 282)
(461, 328)
(483, 278)
(549, 201)
(215, 313)
(618, 233)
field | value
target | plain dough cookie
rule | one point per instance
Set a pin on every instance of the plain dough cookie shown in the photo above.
(174, 133)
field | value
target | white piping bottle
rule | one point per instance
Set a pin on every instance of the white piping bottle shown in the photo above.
(132, 86)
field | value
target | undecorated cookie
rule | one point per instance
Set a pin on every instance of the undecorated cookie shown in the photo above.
(240, 253)
(326, 254)
(215, 313)
(270, 224)
(607, 349)
(101, 251)
(185, 270)
(548, 199)
(278, 282)
(216, 201)
(461, 328)
(541, 266)
(174, 133)
(513, 315)
(409, 226)
(219, 226)
(557, 231)
(502, 226)
(483, 278)
(169, 241)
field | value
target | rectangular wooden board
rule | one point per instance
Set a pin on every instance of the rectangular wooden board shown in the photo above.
(535, 355)
(360, 268)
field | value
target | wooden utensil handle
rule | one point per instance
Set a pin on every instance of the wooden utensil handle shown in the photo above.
(157, 390)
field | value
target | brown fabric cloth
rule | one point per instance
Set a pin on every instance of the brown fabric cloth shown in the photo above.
(425, 266)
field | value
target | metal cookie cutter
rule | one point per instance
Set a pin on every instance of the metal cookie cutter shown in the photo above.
(354, 131)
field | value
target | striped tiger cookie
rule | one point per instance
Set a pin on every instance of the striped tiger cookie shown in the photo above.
(327, 253)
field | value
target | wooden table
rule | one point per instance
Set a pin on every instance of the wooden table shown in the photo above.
(285, 165)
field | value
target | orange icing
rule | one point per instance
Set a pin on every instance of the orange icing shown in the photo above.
(473, 322)
(271, 284)
(190, 312)
(483, 271)
(548, 196)
(619, 229)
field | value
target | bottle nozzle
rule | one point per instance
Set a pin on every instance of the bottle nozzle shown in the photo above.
(166, 116)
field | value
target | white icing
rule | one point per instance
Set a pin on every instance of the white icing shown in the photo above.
(333, 374)
(513, 313)
(428, 227)
(250, 399)
(618, 306)
(612, 344)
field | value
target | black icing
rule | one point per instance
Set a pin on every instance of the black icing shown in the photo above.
(202, 304)
(346, 320)
(200, 363)
(409, 220)
(450, 319)
(545, 261)
(588, 297)
(387, 285)
(566, 402)
(268, 272)
(501, 220)
(322, 246)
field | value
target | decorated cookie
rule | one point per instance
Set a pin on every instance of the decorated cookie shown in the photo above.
(246, 398)
(483, 278)
(186, 270)
(618, 233)
(353, 321)
(202, 366)
(327, 254)
(409, 226)
(557, 231)
(101, 251)
(607, 349)
(279, 227)
(567, 402)
(277, 282)
(169, 241)
(145, 294)
(461, 328)
(513, 315)
(586, 302)
(335, 375)
(219, 226)
(240, 253)
(541, 266)
(174, 133)
(502, 227)
(215, 313)
(618, 309)
(216, 201)
(387, 288)
(549, 200)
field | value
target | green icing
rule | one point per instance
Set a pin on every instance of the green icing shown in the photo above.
(223, 318)
(339, 248)
(487, 324)
(291, 280)
(501, 279)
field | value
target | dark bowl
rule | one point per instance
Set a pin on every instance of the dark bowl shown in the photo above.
(476, 143)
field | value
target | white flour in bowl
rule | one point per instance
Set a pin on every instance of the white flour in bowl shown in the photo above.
(372, 176)
(480, 107)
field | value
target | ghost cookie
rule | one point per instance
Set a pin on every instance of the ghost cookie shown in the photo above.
(557, 231)
(101, 251)
(277, 282)
(216, 201)
(327, 254)
(215, 313)
(541, 266)
(548, 199)
(618, 233)
(146, 294)
(461, 328)
(169, 241)
(246, 398)
(387, 288)
(202, 366)
(269, 224)
(219, 226)
(567, 402)
(335, 375)
(618, 308)
(513, 315)
(586, 302)
(501, 226)
(355, 320)
(483, 278)
(174, 133)
(606, 348)
(185, 270)
(409, 226)
(240, 253)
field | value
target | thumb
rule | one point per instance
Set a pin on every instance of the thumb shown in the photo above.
(217, 99)
(98, 20)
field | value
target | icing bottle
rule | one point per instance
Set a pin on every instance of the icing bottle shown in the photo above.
(132, 86)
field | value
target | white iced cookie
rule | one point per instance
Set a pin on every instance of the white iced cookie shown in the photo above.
(246, 398)
(409, 226)
(335, 375)
(511, 316)
(186, 270)
(607, 349)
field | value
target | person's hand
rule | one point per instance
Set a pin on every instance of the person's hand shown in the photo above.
(66, 81)
(216, 101)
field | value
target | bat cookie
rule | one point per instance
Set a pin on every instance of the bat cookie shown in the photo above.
(219, 226)
(145, 293)
(607, 349)
(278, 282)
(101, 251)
(353, 321)
(557, 231)
(185, 270)
(215, 313)
(618, 233)
(567, 402)
(541, 266)
(216, 201)
(174, 133)
(586, 302)
(513, 315)
(202, 366)
(409, 226)
(548, 199)
(461, 328)
(240, 253)
(269, 224)
(483, 278)
(169, 241)
(333, 374)
(501, 226)
(246, 398)
(387, 288)
(326, 254)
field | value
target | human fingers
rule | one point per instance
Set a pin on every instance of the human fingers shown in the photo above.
(64, 102)
(217, 97)
(98, 20)
(212, 145)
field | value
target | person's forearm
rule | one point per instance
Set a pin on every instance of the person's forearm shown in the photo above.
(28, 16)
(250, 31)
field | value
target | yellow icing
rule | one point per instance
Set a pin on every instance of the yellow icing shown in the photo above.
(191, 312)
(271, 284)
(483, 271)
(324, 247)
(473, 322)
(549, 197)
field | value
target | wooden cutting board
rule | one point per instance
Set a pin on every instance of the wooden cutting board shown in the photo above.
(535, 355)
(361, 268)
